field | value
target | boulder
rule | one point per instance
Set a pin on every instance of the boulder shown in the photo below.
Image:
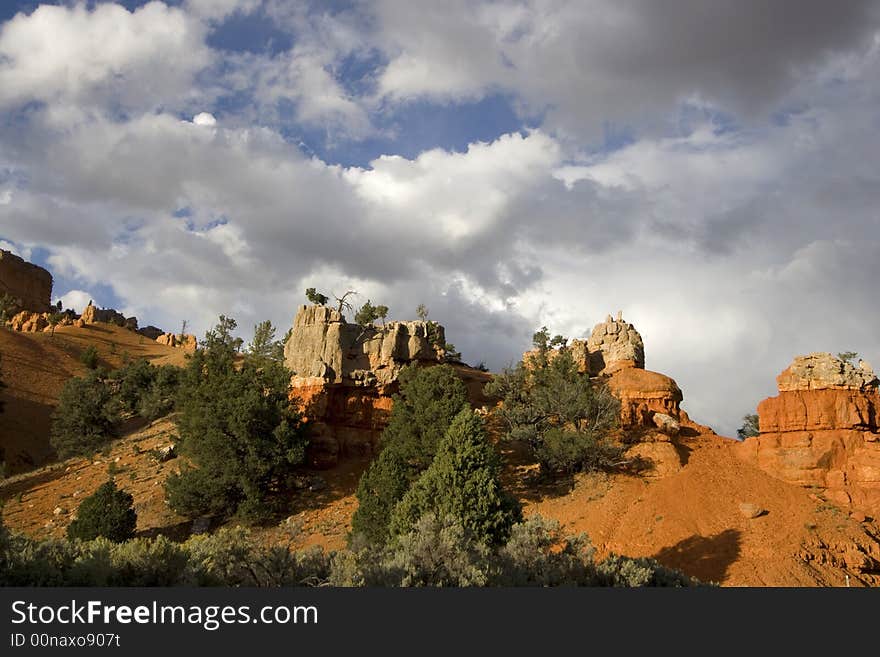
(822, 371)
(751, 510)
(666, 424)
(28, 284)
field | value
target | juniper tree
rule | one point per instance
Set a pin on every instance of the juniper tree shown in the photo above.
(428, 402)
(264, 348)
(564, 416)
(238, 428)
(462, 481)
(316, 297)
(107, 512)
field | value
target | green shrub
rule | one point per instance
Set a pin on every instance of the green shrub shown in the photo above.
(461, 482)
(621, 571)
(239, 429)
(368, 314)
(749, 427)
(89, 357)
(107, 512)
(264, 348)
(436, 552)
(538, 554)
(83, 421)
(566, 418)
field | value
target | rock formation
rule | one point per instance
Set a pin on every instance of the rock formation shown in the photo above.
(29, 285)
(650, 402)
(324, 346)
(614, 343)
(91, 315)
(185, 341)
(345, 374)
(822, 431)
(643, 394)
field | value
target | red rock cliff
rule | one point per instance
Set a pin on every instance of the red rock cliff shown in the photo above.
(28, 284)
(822, 431)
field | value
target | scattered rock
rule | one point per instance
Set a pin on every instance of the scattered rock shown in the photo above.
(92, 315)
(58, 511)
(185, 341)
(750, 510)
(166, 453)
(667, 424)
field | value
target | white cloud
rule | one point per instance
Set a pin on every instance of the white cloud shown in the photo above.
(205, 119)
(217, 10)
(77, 300)
(732, 244)
(78, 57)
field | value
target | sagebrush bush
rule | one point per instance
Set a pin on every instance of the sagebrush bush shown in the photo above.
(437, 552)
(107, 513)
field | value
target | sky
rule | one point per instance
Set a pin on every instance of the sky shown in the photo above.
(712, 169)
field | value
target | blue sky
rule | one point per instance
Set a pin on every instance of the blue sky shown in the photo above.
(709, 169)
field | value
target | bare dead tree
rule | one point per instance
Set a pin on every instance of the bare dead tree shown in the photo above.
(343, 304)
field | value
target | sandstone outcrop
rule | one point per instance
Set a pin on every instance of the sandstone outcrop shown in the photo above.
(324, 346)
(823, 430)
(345, 375)
(614, 342)
(185, 341)
(29, 285)
(644, 394)
(822, 371)
(92, 315)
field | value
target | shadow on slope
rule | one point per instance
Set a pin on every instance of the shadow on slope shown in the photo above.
(706, 558)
